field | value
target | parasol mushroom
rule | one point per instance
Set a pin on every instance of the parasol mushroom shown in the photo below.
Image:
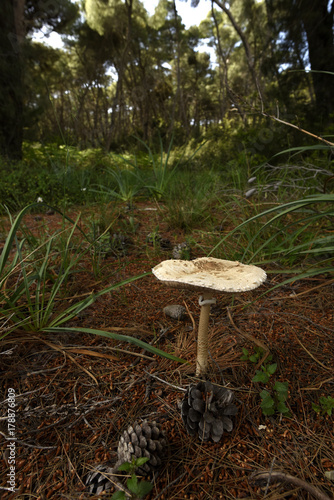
(208, 275)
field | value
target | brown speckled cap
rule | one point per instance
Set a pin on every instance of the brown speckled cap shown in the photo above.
(208, 274)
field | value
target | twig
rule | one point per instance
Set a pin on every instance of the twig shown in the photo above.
(10, 351)
(120, 486)
(28, 374)
(132, 353)
(278, 476)
(325, 283)
(24, 443)
(251, 338)
(297, 128)
(191, 317)
(313, 357)
(317, 387)
(76, 408)
(217, 366)
(86, 413)
(167, 383)
(56, 348)
(169, 485)
(269, 476)
(21, 395)
(298, 316)
(67, 408)
(71, 466)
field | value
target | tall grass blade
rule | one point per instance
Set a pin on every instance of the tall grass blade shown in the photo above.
(119, 337)
(11, 236)
(77, 308)
(302, 149)
(282, 210)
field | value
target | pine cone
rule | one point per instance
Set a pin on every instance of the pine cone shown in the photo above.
(142, 440)
(97, 480)
(206, 409)
(165, 244)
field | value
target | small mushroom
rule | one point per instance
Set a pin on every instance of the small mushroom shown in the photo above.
(208, 275)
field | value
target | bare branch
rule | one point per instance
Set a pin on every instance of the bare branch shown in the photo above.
(277, 476)
(249, 57)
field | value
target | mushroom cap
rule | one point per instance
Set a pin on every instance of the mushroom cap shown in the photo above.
(208, 274)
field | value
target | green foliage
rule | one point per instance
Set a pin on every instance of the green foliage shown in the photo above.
(188, 202)
(163, 83)
(33, 285)
(131, 180)
(138, 489)
(125, 185)
(237, 150)
(115, 336)
(256, 356)
(154, 175)
(294, 232)
(166, 167)
(272, 400)
(265, 373)
(101, 223)
(275, 401)
(57, 174)
(325, 406)
(161, 173)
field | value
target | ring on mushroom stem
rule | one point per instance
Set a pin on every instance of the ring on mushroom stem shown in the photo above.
(208, 275)
(203, 302)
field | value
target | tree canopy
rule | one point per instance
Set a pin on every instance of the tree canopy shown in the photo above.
(124, 72)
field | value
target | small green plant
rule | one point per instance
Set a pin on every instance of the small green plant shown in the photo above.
(162, 173)
(276, 402)
(189, 200)
(101, 228)
(275, 399)
(263, 375)
(165, 168)
(153, 240)
(129, 224)
(138, 489)
(326, 405)
(185, 253)
(256, 356)
(125, 183)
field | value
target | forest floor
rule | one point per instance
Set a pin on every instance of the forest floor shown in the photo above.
(76, 394)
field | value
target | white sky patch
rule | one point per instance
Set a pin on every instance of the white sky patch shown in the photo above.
(191, 16)
(53, 40)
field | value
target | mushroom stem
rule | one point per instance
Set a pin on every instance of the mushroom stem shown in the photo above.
(205, 302)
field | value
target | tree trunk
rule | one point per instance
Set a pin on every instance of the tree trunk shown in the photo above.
(224, 77)
(11, 85)
(179, 97)
(318, 24)
(249, 55)
(118, 108)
